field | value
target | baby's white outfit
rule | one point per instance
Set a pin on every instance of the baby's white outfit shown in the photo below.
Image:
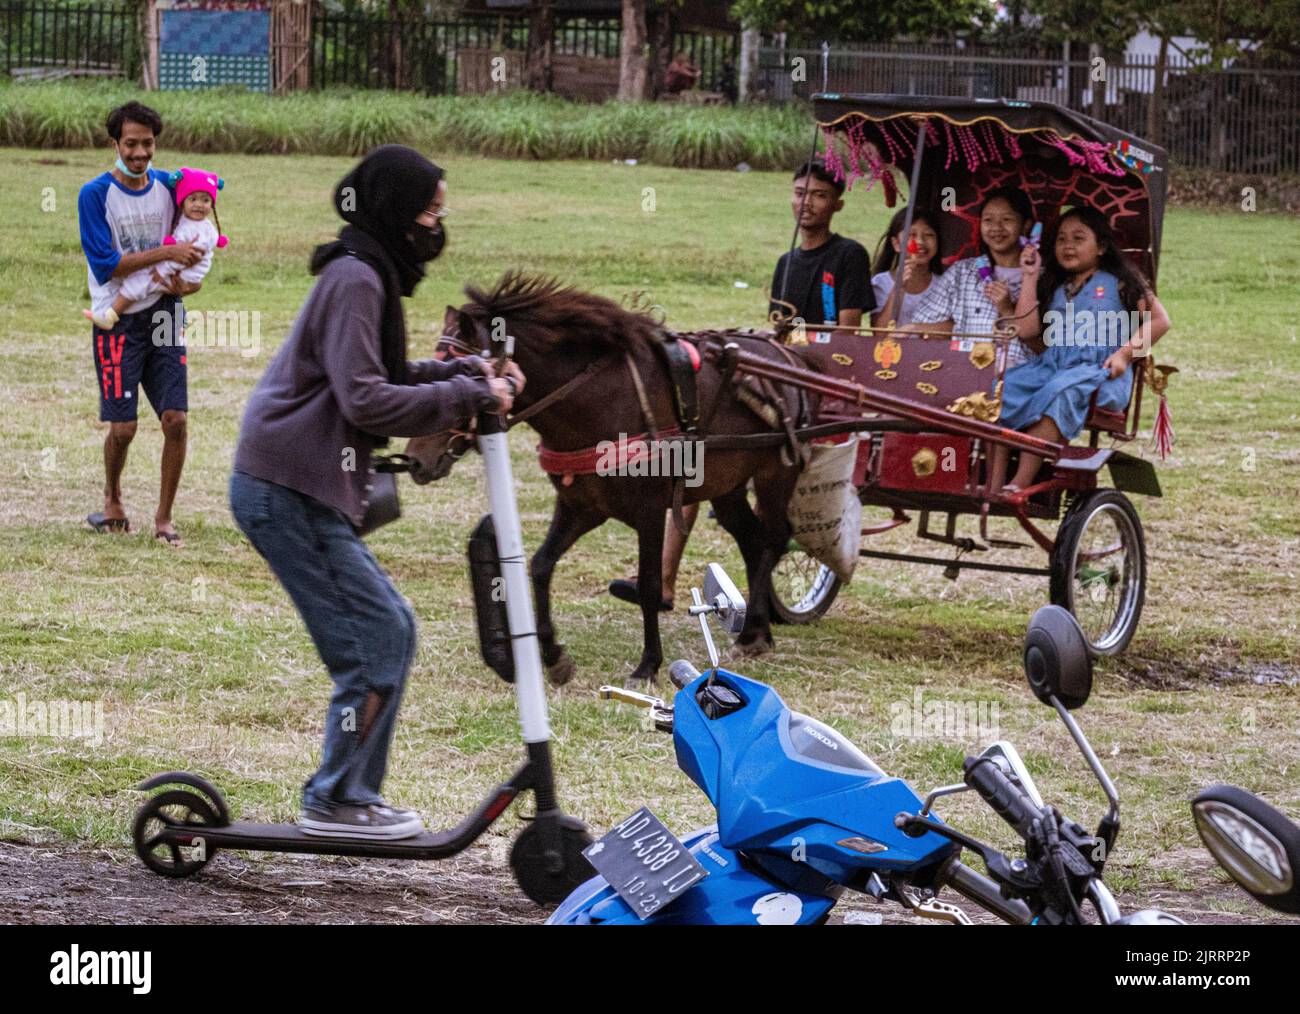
(202, 233)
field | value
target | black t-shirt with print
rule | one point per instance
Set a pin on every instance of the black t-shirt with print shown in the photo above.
(825, 280)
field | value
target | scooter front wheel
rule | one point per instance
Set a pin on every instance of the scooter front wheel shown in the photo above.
(548, 879)
(156, 841)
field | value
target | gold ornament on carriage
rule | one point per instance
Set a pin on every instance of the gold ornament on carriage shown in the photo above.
(888, 353)
(1156, 377)
(924, 462)
(842, 359)
(925, 388)
(930, 365)
(978, 405)
(982, 355)
(886, 374)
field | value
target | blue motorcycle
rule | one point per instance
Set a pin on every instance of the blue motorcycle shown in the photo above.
(803, 814)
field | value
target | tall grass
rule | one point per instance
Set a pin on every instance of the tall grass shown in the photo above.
(350, 122)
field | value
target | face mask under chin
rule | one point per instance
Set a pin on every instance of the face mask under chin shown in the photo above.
(121, 167)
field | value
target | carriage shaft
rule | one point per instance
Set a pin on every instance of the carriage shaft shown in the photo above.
(864, 397)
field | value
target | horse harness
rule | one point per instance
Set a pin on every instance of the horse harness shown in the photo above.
(681, 360)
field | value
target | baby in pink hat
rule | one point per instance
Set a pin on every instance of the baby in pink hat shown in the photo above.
(196, 199)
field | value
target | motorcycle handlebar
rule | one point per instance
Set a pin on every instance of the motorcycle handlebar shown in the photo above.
(1008, 800)
(982, 891)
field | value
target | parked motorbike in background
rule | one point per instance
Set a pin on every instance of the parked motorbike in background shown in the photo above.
(803, 814)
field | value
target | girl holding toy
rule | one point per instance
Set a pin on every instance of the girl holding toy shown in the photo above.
(922, 266)
(1100, 314)
(974, 293)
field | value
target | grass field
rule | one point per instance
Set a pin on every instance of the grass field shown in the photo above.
(201, 662)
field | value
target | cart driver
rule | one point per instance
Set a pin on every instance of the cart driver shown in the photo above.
(825, 280)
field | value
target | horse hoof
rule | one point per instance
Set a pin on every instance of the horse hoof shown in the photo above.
(754, 648)
(640, 681)
(561, 671)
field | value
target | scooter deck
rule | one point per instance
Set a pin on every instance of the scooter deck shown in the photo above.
(243, 834)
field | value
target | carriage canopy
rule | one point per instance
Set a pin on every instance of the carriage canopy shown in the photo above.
(973, 146)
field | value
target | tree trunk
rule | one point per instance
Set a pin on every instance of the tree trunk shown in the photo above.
(1156, 109)
(148, 20)
(660, 31)
(1098, 110)
(393, 51)
(632, 53)
(538, 73)
(750, 42)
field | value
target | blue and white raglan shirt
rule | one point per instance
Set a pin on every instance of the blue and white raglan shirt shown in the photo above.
(116, 221)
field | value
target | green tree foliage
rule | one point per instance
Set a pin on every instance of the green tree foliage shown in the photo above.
(1225, 29)
(855, 20)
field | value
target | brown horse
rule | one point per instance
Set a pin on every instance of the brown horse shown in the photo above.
(561, 334)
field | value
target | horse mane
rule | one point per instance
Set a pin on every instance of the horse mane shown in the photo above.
(545, 313)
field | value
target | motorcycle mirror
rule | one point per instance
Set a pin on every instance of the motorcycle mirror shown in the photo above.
(1057, 660)
(721, 593)
(1008, 759)
(1258, 846)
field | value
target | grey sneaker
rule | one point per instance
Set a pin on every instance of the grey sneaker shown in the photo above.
(347, 820)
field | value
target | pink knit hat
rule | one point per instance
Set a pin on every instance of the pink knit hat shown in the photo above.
(186, 181)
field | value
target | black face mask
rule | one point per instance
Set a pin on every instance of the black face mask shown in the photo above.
(427, 242)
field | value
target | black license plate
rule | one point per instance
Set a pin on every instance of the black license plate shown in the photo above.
(645, 863)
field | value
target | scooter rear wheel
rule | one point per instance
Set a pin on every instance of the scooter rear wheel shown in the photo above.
(174, 808)
(532, 867)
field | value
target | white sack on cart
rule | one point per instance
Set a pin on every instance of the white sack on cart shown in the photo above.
(825, 510)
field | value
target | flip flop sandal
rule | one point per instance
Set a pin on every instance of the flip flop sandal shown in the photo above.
(172, 539)
(103, 524)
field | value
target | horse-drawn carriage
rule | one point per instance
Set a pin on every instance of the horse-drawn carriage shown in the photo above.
(923, 406)
(927, 458)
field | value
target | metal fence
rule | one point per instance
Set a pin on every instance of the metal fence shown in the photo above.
(1240, 118)
(716, 54)
(1237, 119)
(361, 51)
(54, 38)
(43, 40)
(371, 51)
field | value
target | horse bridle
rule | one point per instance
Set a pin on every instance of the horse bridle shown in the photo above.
(462, 440)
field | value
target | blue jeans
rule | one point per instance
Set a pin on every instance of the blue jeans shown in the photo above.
(362, 626)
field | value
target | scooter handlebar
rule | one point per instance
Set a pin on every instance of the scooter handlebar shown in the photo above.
(682, 673)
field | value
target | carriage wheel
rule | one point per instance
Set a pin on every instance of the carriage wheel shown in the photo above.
(1099, 568)
(802, 588)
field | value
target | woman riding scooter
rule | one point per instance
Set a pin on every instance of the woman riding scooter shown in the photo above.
(303, 478)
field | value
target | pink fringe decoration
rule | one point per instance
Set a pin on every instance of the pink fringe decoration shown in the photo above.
(1093, 154)
(860, 163)
(952, 147)
(968, 147)
(1162, 432)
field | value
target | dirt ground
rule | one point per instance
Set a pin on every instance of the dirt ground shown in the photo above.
(55, 884)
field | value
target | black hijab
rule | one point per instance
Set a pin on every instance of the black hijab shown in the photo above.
(380, 200)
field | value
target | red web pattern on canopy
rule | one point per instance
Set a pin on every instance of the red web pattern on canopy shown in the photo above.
(974, 160)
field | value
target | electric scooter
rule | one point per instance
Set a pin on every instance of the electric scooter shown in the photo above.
(179, 830)
(804, 815)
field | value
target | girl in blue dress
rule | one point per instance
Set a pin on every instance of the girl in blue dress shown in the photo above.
(1100, 315)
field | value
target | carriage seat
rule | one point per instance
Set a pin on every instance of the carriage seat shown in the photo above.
(1107, 421)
